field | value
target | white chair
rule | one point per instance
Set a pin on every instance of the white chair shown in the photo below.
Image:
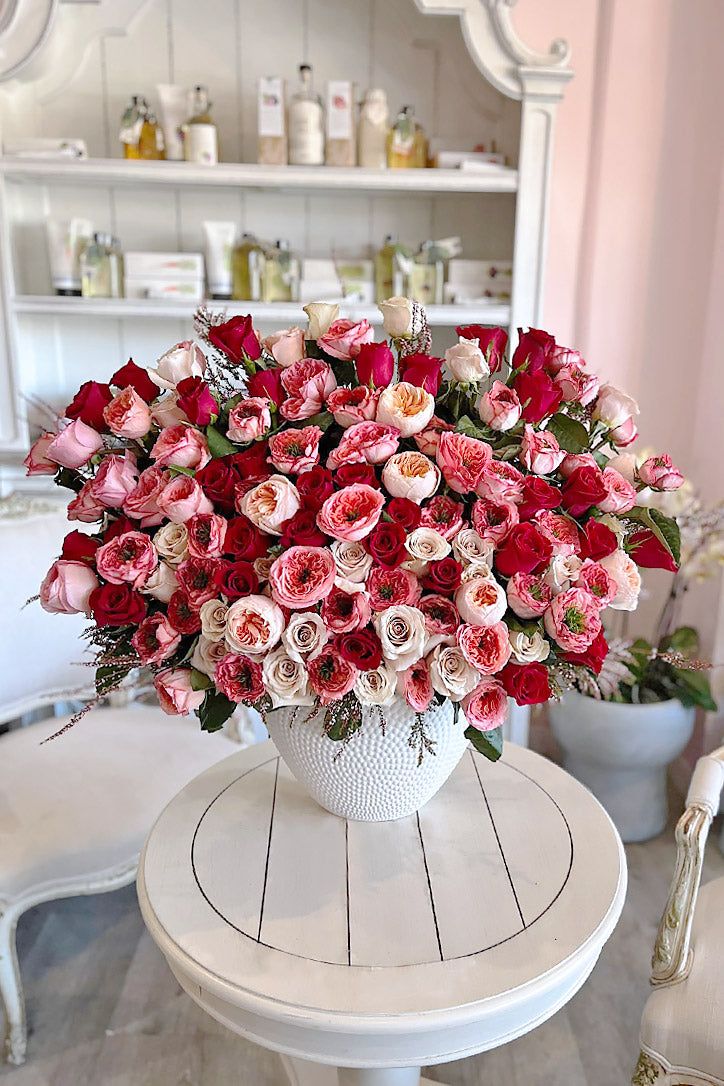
(74, 812)
(682, 1030)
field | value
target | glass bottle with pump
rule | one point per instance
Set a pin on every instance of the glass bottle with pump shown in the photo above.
(388, 268)
(201, 140)
(132, 123)
(406, 142)
(374, 125)
(247, 267)
(306, 123)
(280, 275)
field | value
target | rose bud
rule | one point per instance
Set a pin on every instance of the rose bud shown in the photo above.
(197, 401)
(36, 461)
(396, 317)
(75, 445)
(321, 316)
(500, 408)
(88, 404)
(422, 370)
(466, 362)
(287, 346)
(660, 473)
(79, 547)
(375, 364)
(137, 378)
(491, 341)
(344, 338)
(236, 338)
(267, 383)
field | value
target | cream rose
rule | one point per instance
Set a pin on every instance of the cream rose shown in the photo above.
(466, 362)
(529, 650)
(351, 559)
(450, 673)
(625, 573)
(162, 583)
(213, 620)
(305, 636)
(172, 543)
(410, 475)
(402, 632)
(377, 687)
(320, 315)
(473, 552)
(406, 407)
(184, 360)
(396, 317)
(285, 679)
(270, 503)
(562, 570)
(207, 654)
(481, 601)
(254, 625)
(427, 545)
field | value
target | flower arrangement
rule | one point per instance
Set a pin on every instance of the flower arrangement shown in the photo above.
(319, 519)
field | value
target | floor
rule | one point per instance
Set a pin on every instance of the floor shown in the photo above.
(105, 1011)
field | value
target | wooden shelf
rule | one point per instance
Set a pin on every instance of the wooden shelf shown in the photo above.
(119, 171)
(281, 312)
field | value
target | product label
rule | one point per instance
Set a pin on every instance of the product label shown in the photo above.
(271, 106)
(339, 110)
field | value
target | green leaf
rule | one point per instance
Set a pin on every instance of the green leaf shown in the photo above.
(109, 677)
(692, 688)
(664, 528)
(323, 420)
(199, 681)
(468, 427)
(218, 444)
(490, 744)
(214, 711)
(176, 470)
(570, 435)
(684, 640)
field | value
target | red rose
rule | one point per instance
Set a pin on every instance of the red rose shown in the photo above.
(118, 527)
(196, 401)
(534, 347)
(244, 540)
(137, 378)
(251, 463)
(236, 338)
(218, 481)
(491, 341)
(236, 579)
(386, 544)
(597, 540)
(267, 383)
(583, 488)
(647, 551)
(524, 550)
(375, 364)
(538, 395)
(314, 487)
(593, 657)
(361, 648)
(117, 605)
(405, 512)
(182, 616)
(88, 404)
(78, 547)
(357, 473)
(422, 370)
(301, 530)
(527, 683)
(537, 494)
(443, 577)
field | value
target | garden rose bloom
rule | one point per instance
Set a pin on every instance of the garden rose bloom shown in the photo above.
(472, 551)
(462, 460)
(67, 586)
(254, 625)
(660, 473)
(307, 383)
(186, 359)
(624, 572)
(415, 687)
(494, 521)
(576, 384)
(427, 545)
(410, 475)
(390, 587)
(499, 408)
(129, 557)
(321, 316)
(74, 446)
(352, 513)
(344, 338)
(443, 514)
(572, 620)
(175, 693)
(207, 655)
(481, 601)
(285, 679)
(540, 452)
(330, 675)
(598, 582)
(172, 543)
(239, 677)
(248, 420)
(181, 499)
(286, 346)
(450, 673)
(352, 560)
(396, 317)
(269, 504)
(115, 479)
(352, 405)
(162, 583)
(343, 612)
(206, 534)
(305, 636)
(181, 446)
(365, 442)
(486, 707)
(402, 633)
(428, 439)
(528, 595)
(406, 407)
(302, 576)
(36, 462)
(295, 451)
(529, 649)
(141, 502)
(501, 482)
(441, 620)
(466, 362)
(84, 506)
(561, 532)
(128, 415)
(620, 496)
(376, 687)
(155, 639)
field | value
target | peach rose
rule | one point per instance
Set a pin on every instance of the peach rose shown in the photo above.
(428, 439)
(75, 445)
(37, 462)
(254, 624)
(67, 586)
(269, 504)
(462, 460)
(127, 415)
(286, 346)
(487, 706)
(115, 479)
(249, 419)
(181, 499)
(84, 507)
(540, 452)
(302, 576)
(351, 513)
(410, 475)
(186, 359)
(625, 573)
(294, 451)
(352, 405)
(572, 620)
(141, 502)
(365, 442)
(406, 407)
(175, 693)
(166, 412)
(481, 601)
(344, 338)
(128, 558)
(307, 383)
(181, 446)
(499, 407)
(486, 648)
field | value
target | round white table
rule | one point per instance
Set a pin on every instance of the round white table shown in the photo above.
(378, 948)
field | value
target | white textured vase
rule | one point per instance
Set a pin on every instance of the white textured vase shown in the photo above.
(374, 777)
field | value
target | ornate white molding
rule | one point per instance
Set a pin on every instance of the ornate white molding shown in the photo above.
(25, 27)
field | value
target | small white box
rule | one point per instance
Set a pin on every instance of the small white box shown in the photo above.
(172, 290)
(180, 267)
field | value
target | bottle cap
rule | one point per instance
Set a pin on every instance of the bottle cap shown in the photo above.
(282, 244)
(305, 68)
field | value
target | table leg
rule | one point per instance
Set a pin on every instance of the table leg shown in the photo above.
(305, 1073)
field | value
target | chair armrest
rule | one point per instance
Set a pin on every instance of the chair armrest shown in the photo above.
(671, 960)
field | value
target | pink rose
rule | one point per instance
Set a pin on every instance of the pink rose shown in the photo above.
(621, 495)
(540, 452)
(302, 576)
(406, 407)
(660, 473)
(560, 531)
(343, 612)
(351, 513)
(494, 520)
(410, 475)
(576, 385)
(116, 478)
(295, 451)
(155, 639)
(36, 461)
(181, 499)
(481, 601)
(427, 440)
(269, 504)
(206, 535)
(392, 587)
(84, 507)
(197, 579)
(141, 503)
(128, 558)
(181, 446)
(444, 515)
(614, 408)
(344, 338)
(572, 620)
(528, 595)
(351, 405)
(415, 686)
(75, 445)
(501, 482)
(240, 678)
(254, 625)
(249, 419)
(441, 620)
(330, 675)
(625, 434)
(486, 648)
(307, 383)
(287, 346)
(487, 706)
(500, 408)
(365, 443)
(598, 582)
(462, 460)
(166, 412)
(572, 461)
(127, 415)
(67, 586)
(175, 694)
(559, 356)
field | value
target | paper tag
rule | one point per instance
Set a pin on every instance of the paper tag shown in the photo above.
(271, 106)
(339, 110)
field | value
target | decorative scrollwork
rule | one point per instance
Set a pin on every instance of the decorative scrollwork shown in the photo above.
(648, 1071)
(559, 51)
(671, 958)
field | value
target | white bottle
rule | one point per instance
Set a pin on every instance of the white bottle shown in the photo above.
(306, 123)
(374, 124)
